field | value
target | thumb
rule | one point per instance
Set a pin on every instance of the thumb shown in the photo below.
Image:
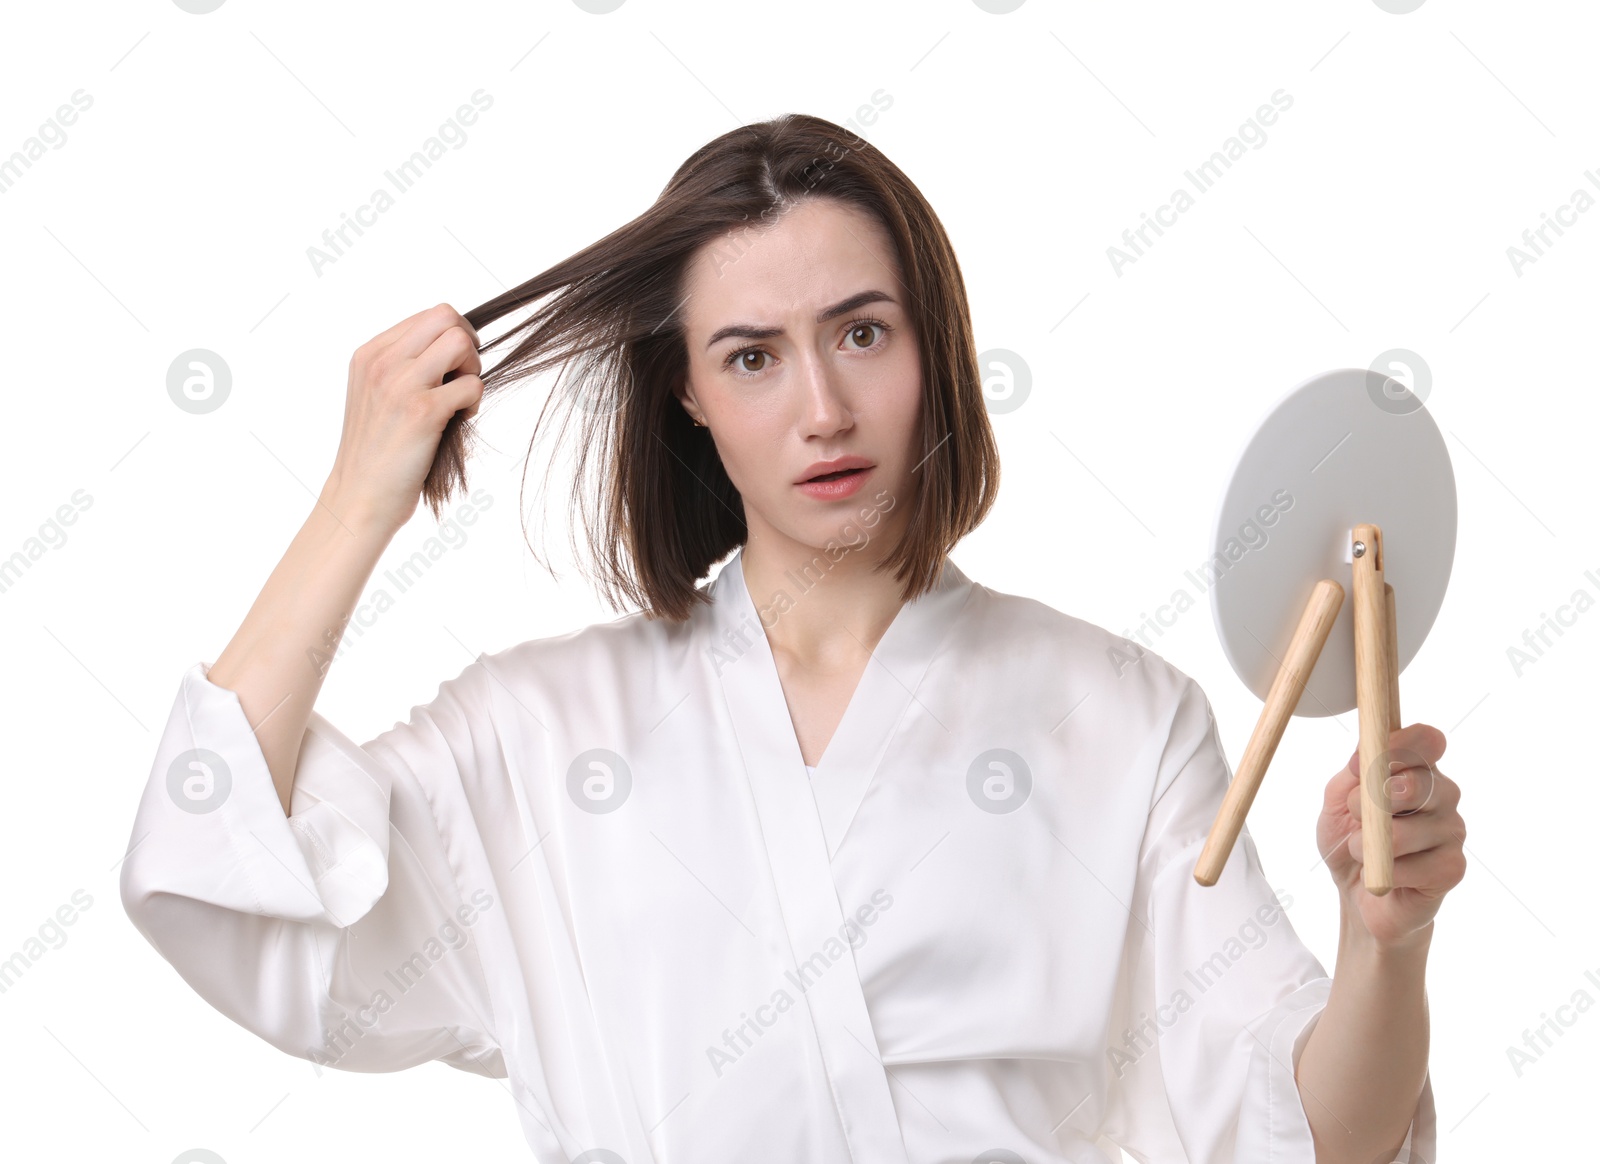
(1336, 796)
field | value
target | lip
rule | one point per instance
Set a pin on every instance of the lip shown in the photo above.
(833, 467)
(838, 488)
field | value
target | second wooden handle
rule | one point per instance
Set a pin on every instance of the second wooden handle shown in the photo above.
(1316, 620)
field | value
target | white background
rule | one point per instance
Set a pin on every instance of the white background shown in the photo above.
(1377, 214)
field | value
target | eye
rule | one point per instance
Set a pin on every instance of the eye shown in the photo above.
(741, 358)
(865, 325)
(740, 361)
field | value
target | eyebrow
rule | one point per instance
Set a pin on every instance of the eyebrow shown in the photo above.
(843, 307)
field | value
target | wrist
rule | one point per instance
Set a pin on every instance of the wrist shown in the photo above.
(1357, 940)
(356, 514)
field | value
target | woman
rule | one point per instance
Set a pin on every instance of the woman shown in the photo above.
(841, 856)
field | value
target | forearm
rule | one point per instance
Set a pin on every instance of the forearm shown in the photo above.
(1361, 1071)
(277, 659)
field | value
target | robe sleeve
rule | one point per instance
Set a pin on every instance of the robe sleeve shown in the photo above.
(1217, 996)
(339, 933)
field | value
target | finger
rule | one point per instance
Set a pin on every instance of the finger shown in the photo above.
(388, 336)
(1416, 834)
(1415, 745)
(1410, 790)
(425, 327)
(392, 335)
(1433, 871)
(1353, 800)
(463, 393)
(451, 352)
(1422, 790)
(1418, 744)
(1404, 792)
(1413, 792)
(1402, 769)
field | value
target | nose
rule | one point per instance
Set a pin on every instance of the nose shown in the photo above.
(824, 411)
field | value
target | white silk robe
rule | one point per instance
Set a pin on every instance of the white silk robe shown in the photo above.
(595, 866)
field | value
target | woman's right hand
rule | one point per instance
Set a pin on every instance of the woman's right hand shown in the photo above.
(396, 409)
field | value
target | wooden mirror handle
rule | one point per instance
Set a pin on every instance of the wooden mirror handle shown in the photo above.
(1377, 684)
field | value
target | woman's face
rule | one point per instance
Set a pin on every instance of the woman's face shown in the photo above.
(782, 388)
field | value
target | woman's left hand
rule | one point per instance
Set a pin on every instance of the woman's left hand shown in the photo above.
(1429, 838)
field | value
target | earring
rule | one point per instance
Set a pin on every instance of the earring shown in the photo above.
(698, 423)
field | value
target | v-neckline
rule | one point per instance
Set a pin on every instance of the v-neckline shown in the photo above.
(855, 694)
(881, 700)
(838, 726)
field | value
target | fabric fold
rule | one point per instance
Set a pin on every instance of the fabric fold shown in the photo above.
(1224, 994)
(338, 933)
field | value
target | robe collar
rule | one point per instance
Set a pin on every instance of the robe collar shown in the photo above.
(742, 658)
(804, 821)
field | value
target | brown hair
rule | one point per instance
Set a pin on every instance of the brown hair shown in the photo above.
(667, 509)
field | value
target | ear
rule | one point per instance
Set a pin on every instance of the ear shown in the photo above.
(684, 391)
